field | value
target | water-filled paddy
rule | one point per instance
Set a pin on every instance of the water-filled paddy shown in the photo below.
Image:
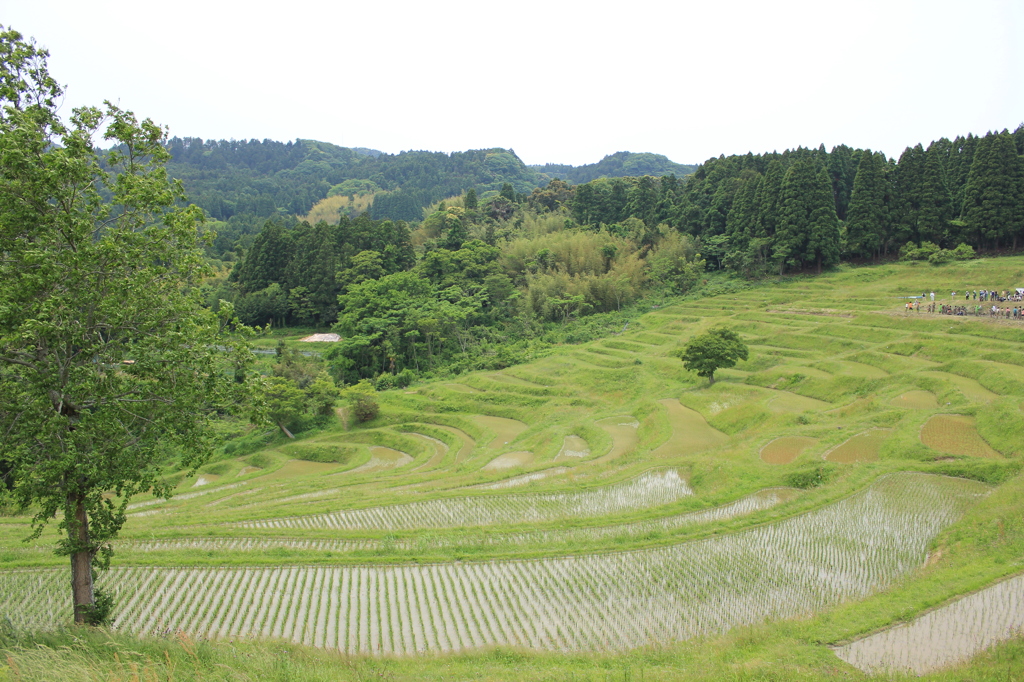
(846, 550)
(510, 460)
(573, 447)
(382, 459)
(647, 490)
(504, 430)
(945, 636)
(623, 430)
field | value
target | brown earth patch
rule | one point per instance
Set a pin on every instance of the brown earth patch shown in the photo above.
(956, 434)
(785, 449)
(864, 447)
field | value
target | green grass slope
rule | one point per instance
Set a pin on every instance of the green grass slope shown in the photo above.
(594, 454)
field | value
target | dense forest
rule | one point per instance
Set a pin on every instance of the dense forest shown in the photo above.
(487, 269)
(241, 184)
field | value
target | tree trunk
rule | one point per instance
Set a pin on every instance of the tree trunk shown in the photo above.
(81, 561)
(711, 379)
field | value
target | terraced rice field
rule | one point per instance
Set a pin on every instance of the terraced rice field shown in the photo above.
(945, 636)
(864, 447)
(690, 432)
(649, 490)
(601, 498)
(785, 449)
(799, 566)
(955, 434)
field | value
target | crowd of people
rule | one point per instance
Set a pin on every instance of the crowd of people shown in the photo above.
(975, 302)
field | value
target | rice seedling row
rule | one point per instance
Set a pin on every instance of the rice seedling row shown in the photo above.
(944, 636)
(846, 550)
(653, 488)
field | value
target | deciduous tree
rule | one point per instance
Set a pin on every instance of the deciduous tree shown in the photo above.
(718, 348)
(110, 367)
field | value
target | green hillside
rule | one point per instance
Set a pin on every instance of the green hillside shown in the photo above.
(243, 183)
(861, 467)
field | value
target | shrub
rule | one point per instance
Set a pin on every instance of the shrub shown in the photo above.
(818, 475)
(963, 252)
(365, 407)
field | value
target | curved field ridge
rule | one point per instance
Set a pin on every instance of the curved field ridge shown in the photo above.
(844, 551)
(945, 636)
(650, 489)
(762, 499)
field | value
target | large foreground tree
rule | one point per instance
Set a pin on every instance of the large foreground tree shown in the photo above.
(110, 368)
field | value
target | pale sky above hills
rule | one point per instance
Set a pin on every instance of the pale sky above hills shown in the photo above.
(560, 82)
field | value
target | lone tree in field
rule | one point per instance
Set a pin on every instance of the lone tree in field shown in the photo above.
(718, 348)
(110, 367)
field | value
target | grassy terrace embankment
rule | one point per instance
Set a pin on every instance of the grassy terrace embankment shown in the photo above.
(550, 506)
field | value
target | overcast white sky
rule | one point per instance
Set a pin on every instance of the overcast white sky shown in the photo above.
(560, 82)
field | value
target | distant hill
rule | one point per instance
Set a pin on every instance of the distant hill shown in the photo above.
(243, 183)
(617, 165)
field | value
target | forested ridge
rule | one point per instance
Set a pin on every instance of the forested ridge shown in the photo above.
(490, 275)
(242, 183)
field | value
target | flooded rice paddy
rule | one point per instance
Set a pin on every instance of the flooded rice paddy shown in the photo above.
(945, 636)
(510, 460)
(573, 446)
(504, 430)
(623, 431)
(647, 490)
(846, 550)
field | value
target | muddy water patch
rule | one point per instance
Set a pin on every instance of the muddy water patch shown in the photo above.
(382, 459)
(467, 446)
(864, 447)
(785, 449)
(504, 430)
(573, 447)
(510, 460)
(300, 467)
(524, 479)
(916, 400)
(439, 447)
(956, 434)
(943, 637)
(623, 430)
(690, 432)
